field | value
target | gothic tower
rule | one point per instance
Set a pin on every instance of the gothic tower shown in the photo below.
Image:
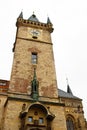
(31, 99)
(33, 92)
(33, 50)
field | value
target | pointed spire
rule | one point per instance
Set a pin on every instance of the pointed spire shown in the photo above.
(48, 21)
(68, 88)
(21, 15)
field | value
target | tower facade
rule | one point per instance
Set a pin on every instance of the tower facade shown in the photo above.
(33, 50)
(31, 99)
(33, 87)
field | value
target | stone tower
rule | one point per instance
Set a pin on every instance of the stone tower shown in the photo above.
(33, 92)
(31, 99)
(33, 50)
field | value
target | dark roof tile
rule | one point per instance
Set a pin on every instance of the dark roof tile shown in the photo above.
(33, 18)
(66, 95)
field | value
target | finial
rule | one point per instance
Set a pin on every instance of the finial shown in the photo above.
(33, 12)
(67, 81)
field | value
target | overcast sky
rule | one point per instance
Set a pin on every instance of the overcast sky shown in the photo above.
(69, 18)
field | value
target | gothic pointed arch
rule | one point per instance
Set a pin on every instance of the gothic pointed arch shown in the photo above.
(70, 122)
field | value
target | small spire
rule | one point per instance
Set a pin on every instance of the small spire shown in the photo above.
(21, 15)
(48, 20)
(68, 88)
(33, 12)
(67, 81)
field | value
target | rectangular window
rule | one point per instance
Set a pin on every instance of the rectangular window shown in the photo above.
(34, 58)
(30, 119)
(41, 121)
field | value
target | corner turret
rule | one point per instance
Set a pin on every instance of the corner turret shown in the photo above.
(21, 15)
(48, 21)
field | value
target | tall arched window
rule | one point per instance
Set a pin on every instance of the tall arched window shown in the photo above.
(70, 124)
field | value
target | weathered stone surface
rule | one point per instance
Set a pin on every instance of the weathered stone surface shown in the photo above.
(22, 71)
(18, 110)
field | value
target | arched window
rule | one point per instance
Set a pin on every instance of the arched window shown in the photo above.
(70, 124)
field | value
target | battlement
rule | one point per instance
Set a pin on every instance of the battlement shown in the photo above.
(24, 22)
(34, 22)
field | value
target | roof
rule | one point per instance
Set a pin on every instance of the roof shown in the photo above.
(21, 15)
(64, 94)
(48, 21)
(33, 18)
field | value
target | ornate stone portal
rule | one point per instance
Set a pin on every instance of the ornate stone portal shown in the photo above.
(36, 117)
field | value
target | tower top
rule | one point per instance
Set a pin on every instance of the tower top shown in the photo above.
(33, 21)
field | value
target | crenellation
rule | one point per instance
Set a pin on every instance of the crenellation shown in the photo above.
(23, 22)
